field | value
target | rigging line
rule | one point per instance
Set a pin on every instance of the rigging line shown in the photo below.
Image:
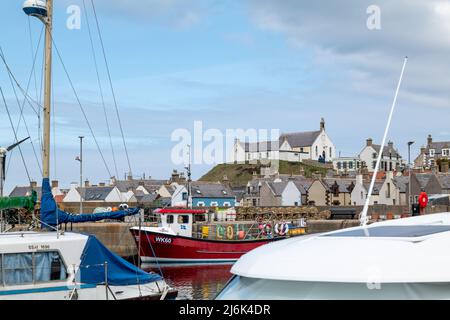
(21, 107)
(32, 55)
(15, 135)
(81, 107)
(24, 93)
(54, 132)
(111, 87)
(101, 89)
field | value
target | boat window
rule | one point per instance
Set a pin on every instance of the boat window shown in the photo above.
(48, 266)
(392, 231)
(17, 268)
(199, 218)
(183, 219)
(169, 219)
(27, 268)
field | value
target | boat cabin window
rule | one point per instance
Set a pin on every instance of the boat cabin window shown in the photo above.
(27, 268)
(183, 219)
(169, 219)
(199, 218)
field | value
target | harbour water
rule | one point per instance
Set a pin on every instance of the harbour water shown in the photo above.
(194, 282)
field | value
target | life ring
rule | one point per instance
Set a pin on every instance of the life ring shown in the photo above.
(230, 233)
(281, 229)
(220, 231)
(267, 229)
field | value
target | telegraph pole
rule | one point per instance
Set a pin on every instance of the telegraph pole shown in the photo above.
(80, 159)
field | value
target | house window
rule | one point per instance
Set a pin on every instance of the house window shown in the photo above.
(362, 195)
(296, 204)
(445, 152)
(331, 152)
(184, 196)
(301, 149)
(374, 155)
(358, 164)
(432, 152)
(344, 165)
(248, 190)
(350, 165)
(388, 193)
(317, 151)
(390, 166)
(339, 166)
(254, 202)
(374, 164)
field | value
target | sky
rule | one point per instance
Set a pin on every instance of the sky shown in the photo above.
(262, 64)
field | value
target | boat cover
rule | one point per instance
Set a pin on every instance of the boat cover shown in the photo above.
(120, 272)
(51, 215)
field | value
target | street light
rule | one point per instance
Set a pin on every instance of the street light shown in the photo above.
(410, 143)
(80, 160)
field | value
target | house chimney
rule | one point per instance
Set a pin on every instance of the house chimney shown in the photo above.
(423, 150)
(322, 124)
(390, 145)
(33, 184)
(430, 139)
(359, 179)
(369, 142)
(55, 183)
(86, 183)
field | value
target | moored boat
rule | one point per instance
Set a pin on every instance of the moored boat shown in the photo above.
(174, 241)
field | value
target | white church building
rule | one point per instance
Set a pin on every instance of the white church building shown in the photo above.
(293, 147)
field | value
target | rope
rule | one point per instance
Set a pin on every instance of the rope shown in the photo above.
(100, 88)
(21, 106)
(25, 93)
(111, 86)
(81, 107)
(15, 135)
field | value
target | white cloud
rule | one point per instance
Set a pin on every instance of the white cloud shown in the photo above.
(419, 29)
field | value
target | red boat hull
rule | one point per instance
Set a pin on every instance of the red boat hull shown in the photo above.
(172, 249)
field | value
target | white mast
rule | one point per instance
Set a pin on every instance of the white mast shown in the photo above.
(363, 217)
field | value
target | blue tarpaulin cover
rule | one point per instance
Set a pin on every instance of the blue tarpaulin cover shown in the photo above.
(51, 215)
(120, 272)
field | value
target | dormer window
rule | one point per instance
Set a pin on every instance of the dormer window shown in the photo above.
(432, 152)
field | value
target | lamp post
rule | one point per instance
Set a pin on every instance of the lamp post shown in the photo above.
(410, 143)
(80, 159)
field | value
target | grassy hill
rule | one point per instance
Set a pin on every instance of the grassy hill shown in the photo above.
(240, 174)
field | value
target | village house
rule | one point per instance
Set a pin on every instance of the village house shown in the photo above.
(293, 147)
(391, 159)
(339, 191)
(98, 193)
(204, 194)
(346, 164)
(430, 155)
(25, 191)
(282, 194)
(361, 190)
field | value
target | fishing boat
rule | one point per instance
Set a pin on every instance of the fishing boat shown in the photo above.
(53, 264)
(174, 241)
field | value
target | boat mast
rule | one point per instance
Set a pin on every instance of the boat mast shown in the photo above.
(363, 217)
(47, 90)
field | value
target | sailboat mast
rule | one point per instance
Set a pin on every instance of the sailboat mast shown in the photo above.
(47, 90)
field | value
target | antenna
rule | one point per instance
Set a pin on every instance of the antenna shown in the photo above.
(363, 217)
